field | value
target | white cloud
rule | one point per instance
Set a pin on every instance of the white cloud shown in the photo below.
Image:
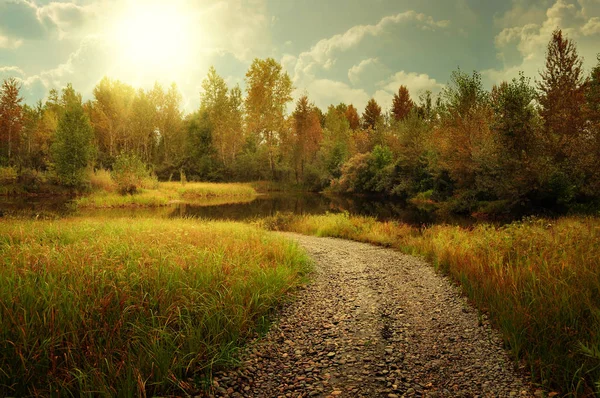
(530, 40)
(11, 70)
(326, 92)
(417, 83)
(6, 42)
(356, 71)
(592, 27)
(323, 53)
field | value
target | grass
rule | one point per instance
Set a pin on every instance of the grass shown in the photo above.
(132, 307)
(193, 190)
(166, 193)
(539, 281)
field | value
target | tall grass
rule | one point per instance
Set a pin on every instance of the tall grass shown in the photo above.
(164, 193)
(539, 280)
(124, 307)
(192, 190)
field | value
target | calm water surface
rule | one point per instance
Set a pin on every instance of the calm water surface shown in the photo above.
(261, 206)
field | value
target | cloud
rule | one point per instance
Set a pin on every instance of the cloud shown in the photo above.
(323, 52)
(592, 27)
(9, 43)
(522, 47)
(356, 71)
(67, 18)
(239, 27)
(417, 83)
(19, 20)
(326, 92)
(11, 70)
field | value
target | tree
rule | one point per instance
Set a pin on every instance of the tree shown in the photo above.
(515, 123)
(72, 150)
(269, 90)
(11, 117)
(562, 96)
(372, 115)
(466, 147)
(307, 135)
(200, 151)
(402, 104)
(353, 118)
(111, 118)
(169, 126)
(224, 108)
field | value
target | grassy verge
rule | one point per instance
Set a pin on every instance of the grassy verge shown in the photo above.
(132, 307)
(539, 280)
(165, 193)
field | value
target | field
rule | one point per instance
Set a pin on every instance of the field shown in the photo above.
(539, 280)
(132, 307)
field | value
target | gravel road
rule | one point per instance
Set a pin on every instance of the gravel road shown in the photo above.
(374, 323)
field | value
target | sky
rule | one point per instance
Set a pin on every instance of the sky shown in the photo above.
(334, 50)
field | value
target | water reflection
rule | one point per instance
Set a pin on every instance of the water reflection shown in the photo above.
(261, 206)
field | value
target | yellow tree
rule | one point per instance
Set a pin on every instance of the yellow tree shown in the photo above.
(307, 135)
(11, 117)
(269, 90)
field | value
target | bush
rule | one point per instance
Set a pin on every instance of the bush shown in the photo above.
(8, 175)
(129, 173)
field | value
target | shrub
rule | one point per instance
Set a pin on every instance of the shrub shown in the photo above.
(129, 173)
(8, 175)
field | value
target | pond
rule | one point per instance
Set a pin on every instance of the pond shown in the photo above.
(261, 206)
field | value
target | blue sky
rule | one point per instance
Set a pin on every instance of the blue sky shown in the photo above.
(334, 50)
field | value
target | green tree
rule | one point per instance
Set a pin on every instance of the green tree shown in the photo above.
(73, 148)
(199, 163)
(516, 124)
(269, 90)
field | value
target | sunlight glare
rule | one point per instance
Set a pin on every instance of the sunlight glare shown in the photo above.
(153, 38)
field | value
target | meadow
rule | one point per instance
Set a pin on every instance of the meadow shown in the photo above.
(125, 307)
(538, 280)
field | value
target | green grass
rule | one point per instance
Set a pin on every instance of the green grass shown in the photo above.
(132, 307)
(168, 192)
(539, 280)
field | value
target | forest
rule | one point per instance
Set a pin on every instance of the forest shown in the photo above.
(519, 147)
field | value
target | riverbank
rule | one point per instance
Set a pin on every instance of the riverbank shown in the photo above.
(538, 280)
(133, 306)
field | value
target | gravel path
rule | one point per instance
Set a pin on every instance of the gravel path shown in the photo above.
(374, 323)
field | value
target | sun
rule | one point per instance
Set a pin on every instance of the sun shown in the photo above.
(153, 38)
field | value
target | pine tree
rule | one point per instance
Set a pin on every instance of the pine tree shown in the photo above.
(372, 115)
(562, 96)
(73, 149)
(402, 104)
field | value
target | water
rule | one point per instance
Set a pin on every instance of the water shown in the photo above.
(261, 206)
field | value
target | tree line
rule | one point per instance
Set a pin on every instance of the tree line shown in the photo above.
(519, 145)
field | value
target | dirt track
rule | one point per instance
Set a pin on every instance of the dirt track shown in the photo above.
(374, 323)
